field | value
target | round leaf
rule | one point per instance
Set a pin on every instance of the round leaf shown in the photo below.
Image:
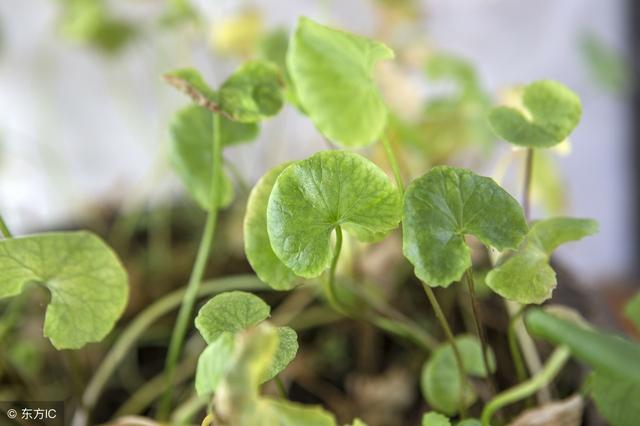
(314, 196)
(444, 205)
(256, 238)
(230, 312)
(332, 72)
(213, 364)
(551, 112)
(526, 277)
(440, 379)
(87, 282)
(285, 352)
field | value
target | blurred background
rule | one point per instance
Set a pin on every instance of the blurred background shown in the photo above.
(84, 113)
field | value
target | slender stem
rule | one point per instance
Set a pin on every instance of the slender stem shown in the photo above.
(4, 228)
(479, 328)
(526, 189)
(186, 309)
(552, 367)
(331, 282)
(393, 162)
(207, 421)
(516, 355)
(452, 341)
(140, 324)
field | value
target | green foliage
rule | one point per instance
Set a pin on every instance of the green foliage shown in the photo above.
(618, 400)
(607, 67)
(274, 48)
(333, 76)
(238, 401)
(444, 205)
(220, 320)
(549, 113)
(87, 282)
(440, 379)
(314, 196)
(190, 82)
(632, 310)
(256, 238)
(435, 419)
(526, 277)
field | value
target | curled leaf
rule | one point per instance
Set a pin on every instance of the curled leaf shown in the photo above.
(87, 282)
(314, 196)
(526, 277)
(444, 205)
(550, 113)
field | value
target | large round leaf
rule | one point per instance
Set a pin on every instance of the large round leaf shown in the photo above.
(87, 282)
(314, 196)
(332, 72)
(550, 113)
(256, 238)
(444, 205)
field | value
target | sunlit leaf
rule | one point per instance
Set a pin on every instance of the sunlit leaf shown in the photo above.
(440, 379)
(332, 72)
(549, 113)
(313, 196)
(526, 277)
(444, 205)
(435, 419)
(256, 238)
(87, 282)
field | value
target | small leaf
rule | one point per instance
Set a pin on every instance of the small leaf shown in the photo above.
(550, 113)
(526, 277)
(190, 82)
(256, 238)
(618, 400)
(213, 364)
(333, 76)
(285, 352)
(444, 205)
(191, 152)
(253, 92)
(440, 379)
(632, 310)
(87, 282)
(313, 196)
(230, 312)
(435, 419)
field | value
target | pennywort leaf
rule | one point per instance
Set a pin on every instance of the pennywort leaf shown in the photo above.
(435, 419)
(256, 237)
(190, 82)
(526, 277)
(550, 111)
(332, 72)
(618, 400)
(213, 364)
(444, 205)
(314, 196)
(87, 282)
(440, 379)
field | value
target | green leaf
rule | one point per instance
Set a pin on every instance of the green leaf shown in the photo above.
(435, 419)
(550, 112)
(274, 48)
(445, 66)
(238, 401)
(608, 67)
(440, 379)
(526, 277)
(444, 205)
(253, 92)
(285, 352)
(256, 238)
(213, 364)
(191, 151)
(358, 422)
(231, 312)
(87, 282)
(605, 353)
(632, 310)
(190, 82)
(618, 400)
(313, 196)
(333, 76)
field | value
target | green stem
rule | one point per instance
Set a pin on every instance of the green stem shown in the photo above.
(141, 323)
(552, 367)
(4, 229)
(452, 341)
(479, 328)
(393, 162)
(514, 348)
(186, 309)
(526, 189)
(331, 282)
